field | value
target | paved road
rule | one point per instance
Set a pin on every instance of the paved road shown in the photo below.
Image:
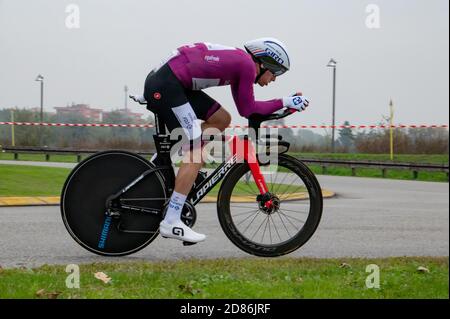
(368, 218)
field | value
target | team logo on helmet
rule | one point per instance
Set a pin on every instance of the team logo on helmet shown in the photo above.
(274, 56)
(275, 51)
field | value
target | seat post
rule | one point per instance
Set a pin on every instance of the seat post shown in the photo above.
(160, 126)
(163, 144)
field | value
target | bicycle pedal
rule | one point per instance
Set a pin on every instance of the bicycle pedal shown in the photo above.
(188, 243)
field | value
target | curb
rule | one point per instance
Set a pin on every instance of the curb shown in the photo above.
(250, 199)
(55, 200)
(29, 201)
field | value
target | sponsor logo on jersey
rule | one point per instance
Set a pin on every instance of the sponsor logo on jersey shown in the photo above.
(212, 58)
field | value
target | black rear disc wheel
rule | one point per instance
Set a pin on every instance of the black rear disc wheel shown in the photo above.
(84, 197)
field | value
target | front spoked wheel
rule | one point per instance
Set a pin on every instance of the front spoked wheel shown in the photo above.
(284, 227)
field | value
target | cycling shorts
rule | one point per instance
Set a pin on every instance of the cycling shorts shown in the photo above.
(174, 104)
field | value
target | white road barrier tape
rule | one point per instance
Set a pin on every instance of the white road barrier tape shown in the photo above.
(231, 126)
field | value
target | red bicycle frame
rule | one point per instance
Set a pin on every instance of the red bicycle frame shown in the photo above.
(244, 150)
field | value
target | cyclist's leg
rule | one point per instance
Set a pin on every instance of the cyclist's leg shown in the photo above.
(213, 116)
(208, 110)
(167, 97)
(219, 120)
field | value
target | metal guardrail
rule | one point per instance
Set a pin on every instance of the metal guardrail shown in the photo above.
(415, 168)
(57, 151)
(383, 166)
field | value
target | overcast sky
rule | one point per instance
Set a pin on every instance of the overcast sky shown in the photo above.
(118, 42)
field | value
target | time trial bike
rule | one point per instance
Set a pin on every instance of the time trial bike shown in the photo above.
(113, 201)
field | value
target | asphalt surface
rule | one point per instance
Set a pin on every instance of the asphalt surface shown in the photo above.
(367, 218)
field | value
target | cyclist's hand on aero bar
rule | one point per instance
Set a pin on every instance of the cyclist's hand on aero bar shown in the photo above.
(297, 102)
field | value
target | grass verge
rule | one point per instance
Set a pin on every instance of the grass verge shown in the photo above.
(398, 158)
(440, 159)
(337, 171)
(238, 278)
(18, 180)
(377, 173)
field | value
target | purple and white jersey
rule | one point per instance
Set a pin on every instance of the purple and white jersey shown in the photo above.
(202, 65)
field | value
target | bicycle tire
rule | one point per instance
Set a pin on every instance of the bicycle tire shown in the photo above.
(229, 223)
(83, 202)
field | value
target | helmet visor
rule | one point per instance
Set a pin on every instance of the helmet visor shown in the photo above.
(277, 71)
(272, 66)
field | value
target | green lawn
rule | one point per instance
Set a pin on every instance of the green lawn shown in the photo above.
(368, 172)
(31, 180)
(43, 181)
(420, 158)
(48, 181)
(237, 278)
(392, 174)
(400, 158)
(41, 157)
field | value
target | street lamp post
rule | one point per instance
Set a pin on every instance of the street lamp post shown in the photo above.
(40, 78)
(126, 97)
(391, 131)
(13, 140)
(332, 64)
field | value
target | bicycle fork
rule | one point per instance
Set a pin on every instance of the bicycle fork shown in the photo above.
(245, 150)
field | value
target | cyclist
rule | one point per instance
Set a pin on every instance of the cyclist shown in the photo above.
(174, 92)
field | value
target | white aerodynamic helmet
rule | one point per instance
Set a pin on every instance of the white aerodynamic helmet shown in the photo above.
(271, 53)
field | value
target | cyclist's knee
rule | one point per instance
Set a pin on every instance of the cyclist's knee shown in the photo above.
(226, 121)
(220, 120)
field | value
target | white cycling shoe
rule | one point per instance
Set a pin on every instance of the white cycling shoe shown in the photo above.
(180, 231)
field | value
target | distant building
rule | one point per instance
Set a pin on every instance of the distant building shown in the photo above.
(35, 109)
(126, 113)
(98, 115)
(132, 115)
(85, 110)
